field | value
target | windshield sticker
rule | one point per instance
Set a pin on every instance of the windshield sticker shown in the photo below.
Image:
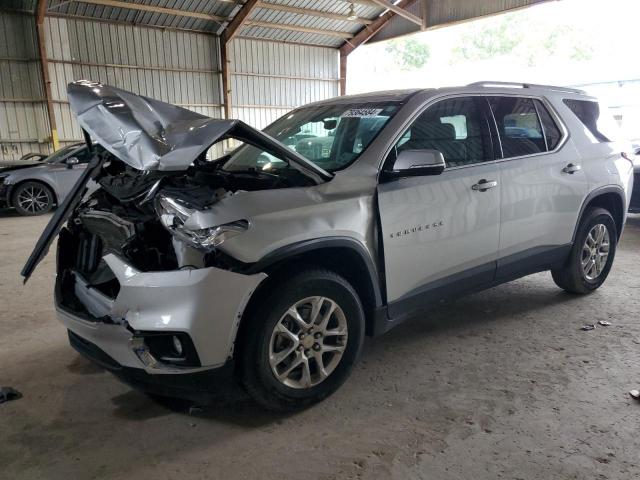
(361, 112)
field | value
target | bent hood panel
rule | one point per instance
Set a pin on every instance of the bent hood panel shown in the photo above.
(152, 135)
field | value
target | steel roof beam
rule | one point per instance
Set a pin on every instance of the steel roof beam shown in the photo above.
(153, 9)
(314, 13)
(370, 30)
(297, 28)
(41, 11)
(239, 20)
(399, 11)
(362, 36)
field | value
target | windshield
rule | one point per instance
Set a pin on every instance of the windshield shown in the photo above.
(331, 136)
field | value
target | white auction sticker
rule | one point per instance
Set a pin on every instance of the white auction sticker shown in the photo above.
(361, 112)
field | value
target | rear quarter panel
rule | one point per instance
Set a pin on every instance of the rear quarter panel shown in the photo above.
(602, 163)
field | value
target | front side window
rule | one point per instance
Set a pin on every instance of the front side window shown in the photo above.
(601, 126)
(518, 125)
(62, 154)
(454, 127)
(82, 155)
(331, 136)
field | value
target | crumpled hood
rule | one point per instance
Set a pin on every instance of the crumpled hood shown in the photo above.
(152, 135)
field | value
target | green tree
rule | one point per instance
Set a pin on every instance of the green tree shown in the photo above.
(484, 41)
(505, 36)
(408, 53)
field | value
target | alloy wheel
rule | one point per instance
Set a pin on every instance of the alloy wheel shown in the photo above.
(595, 252)
(33, 199)
(308, 342)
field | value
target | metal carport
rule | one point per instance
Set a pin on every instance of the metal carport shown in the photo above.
(253, 60)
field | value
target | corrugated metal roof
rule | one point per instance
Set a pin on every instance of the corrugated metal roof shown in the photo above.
(18, 5)
(294, 21)
(141, 17)
(443, 12)
(337, 30)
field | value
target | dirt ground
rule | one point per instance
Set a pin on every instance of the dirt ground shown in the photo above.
(501, 384)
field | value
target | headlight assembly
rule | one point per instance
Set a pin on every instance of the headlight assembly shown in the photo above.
(173, 216)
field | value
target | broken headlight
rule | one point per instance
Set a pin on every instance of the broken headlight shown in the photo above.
(174, 215)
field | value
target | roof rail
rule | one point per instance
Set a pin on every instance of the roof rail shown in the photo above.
(525, 85)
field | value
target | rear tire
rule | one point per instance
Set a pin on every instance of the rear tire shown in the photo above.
(288, 361)
(592, 253)
(32, 198)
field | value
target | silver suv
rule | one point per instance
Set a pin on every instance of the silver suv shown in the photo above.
(342, 218)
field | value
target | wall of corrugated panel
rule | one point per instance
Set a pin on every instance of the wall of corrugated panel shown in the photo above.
(268, 79)
(173, 66)
(23, 120)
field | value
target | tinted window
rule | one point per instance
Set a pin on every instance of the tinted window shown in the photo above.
(551, 131)
(602, 127)
(83, 155)
(518, 126)
(453, 127)
(61, 154)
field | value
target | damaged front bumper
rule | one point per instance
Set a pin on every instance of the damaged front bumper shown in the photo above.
(201, 307)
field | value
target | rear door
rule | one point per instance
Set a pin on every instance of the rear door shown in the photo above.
(440, 233)
(543, 185)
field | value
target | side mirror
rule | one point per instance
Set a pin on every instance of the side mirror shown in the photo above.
(330, 124)
(71, 161)
(416, 163)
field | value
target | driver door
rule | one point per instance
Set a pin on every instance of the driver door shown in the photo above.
(67, 175)
(441, 232)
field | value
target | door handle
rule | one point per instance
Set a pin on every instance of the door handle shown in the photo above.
(484, 185)
(571, 169)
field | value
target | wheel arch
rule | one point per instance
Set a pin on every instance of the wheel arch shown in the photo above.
(342, 255)
(611, 198)
(33, 180)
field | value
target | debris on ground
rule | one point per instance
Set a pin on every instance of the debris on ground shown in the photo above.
(7, 394)
(604, 323)
(586, 328)
(195, 410)
(635, 394)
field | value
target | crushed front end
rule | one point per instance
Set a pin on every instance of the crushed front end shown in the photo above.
(142, 284)
(134, 290)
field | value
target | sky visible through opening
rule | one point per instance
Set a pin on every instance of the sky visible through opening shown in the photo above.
(587, 43)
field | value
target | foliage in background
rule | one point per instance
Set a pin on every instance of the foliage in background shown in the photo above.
(408, 53)
(486, 41)
(505, 36)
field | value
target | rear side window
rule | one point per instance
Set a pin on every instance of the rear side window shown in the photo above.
(601, 126)
(518, 126)
(550, 129)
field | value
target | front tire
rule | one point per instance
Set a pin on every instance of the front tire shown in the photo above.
(301, 340)
(592, 254)
(32, 198)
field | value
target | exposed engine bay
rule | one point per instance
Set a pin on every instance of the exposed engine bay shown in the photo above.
(147, 197)
(140, 217)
